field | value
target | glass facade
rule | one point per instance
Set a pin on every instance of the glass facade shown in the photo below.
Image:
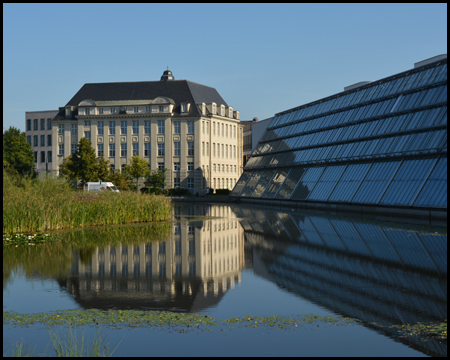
(383, 143)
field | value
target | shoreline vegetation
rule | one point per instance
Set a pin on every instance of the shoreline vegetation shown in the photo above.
(39, 205)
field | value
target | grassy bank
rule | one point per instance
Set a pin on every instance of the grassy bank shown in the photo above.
(32, 205)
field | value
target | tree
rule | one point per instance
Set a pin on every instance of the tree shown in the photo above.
(156, 179)
(17, 153)
(104, 169)
(138, 168)
(120, 180)
(82, 164)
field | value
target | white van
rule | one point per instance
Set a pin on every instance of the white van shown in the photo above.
(96, 187)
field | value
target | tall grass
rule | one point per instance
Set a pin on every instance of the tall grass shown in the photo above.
(31, 205)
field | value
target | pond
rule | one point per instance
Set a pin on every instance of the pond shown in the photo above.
(234, 280)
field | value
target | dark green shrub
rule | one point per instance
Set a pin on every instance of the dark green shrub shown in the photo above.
(151, 190)
(178, 192)
(223, 192)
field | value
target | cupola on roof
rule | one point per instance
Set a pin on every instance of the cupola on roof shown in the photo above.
(167, 75)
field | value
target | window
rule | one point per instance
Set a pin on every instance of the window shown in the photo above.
(74, 129)
(35, 156)
(113, 168)
(42, 124)
(176, 127)
(61, 129)
(112, 128)
(42, 156)
(136, 127)
(161, 166)
(87, 135)
(214, 150)
(184, 108)
(206, 128)
(35, 140)
(161, 151)
(87, 111)
(123, 166)
(123, 127)
(203, 109)
(214, 128)
(226, 151)
(176, 147)
(226, 130)
(214, 109)
(87, 123)
(190, 166)
(207, 147)
(218, 167)
(203, 148)
(227, 168)
(234, 151)
(222, 111)
(234, 168)
(176, 166)
(49, 156)
(113, 110)
(112, 150)
(222, 150)
(123, 150)
(42, 140)
(190, 149)
(214, 167)
(29, 139)
(136, 109)
(135, 149)
(203, 127)
(73, 148)
(147, 149)
(223, 168)
(147, 109)
(161, 108)
(176, 182)
(234, 131)
(100, 127)
(147, 127)
(35, 124)
(160, 126)
(190, 183)
(100, 149)
(222, 129)
(61, 150)
(190, 127)
(100, 110)
(28, 124)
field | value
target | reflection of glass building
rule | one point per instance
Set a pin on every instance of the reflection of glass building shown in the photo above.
(189, 271)
(377, 144)
(377, 274)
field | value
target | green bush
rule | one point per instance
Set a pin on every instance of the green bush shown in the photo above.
(178, 192)
(223, 192)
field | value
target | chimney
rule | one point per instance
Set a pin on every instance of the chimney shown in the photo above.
(255, 119)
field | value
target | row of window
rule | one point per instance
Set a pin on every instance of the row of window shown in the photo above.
(36, 124)
(222, 129)
(403, 102)
(419, 182)
(411, 121)
(376, 91)
(49, 156)
(42, 143)
(424, 142)
(101, 111)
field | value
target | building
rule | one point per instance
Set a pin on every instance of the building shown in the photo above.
(376, 147)
(180, 125)
(252, 130)
(38, 130)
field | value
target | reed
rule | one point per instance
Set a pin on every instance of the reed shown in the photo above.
(33, 205)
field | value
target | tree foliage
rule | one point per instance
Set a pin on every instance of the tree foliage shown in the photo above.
(17, 153)
(103, 169)
(137, 168)
(156, 178)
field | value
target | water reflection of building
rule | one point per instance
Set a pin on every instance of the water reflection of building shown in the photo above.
(189, 271)
(373, 273)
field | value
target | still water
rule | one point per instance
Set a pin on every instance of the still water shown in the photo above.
(228, 261)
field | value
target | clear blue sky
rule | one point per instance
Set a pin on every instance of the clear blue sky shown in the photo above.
(262, 58)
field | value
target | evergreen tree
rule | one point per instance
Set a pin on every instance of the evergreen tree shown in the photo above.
(17, 153)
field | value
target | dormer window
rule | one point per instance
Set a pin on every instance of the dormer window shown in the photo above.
(113, 110)
(230, 112)
(222, 111)
(203, 109)
(136, 109)
(87, 111)
(161, 108)
(100, 110)
(67, 111)
(214, 109)
(183, 107)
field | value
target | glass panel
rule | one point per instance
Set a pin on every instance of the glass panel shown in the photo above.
(327, 182)
(275, 183)
(434, 192)
(375, 182)
(407, 181)
(307, 183)
(262, 184)
(349, 182)
(241, 183)
(290, 183)
(251, 184)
